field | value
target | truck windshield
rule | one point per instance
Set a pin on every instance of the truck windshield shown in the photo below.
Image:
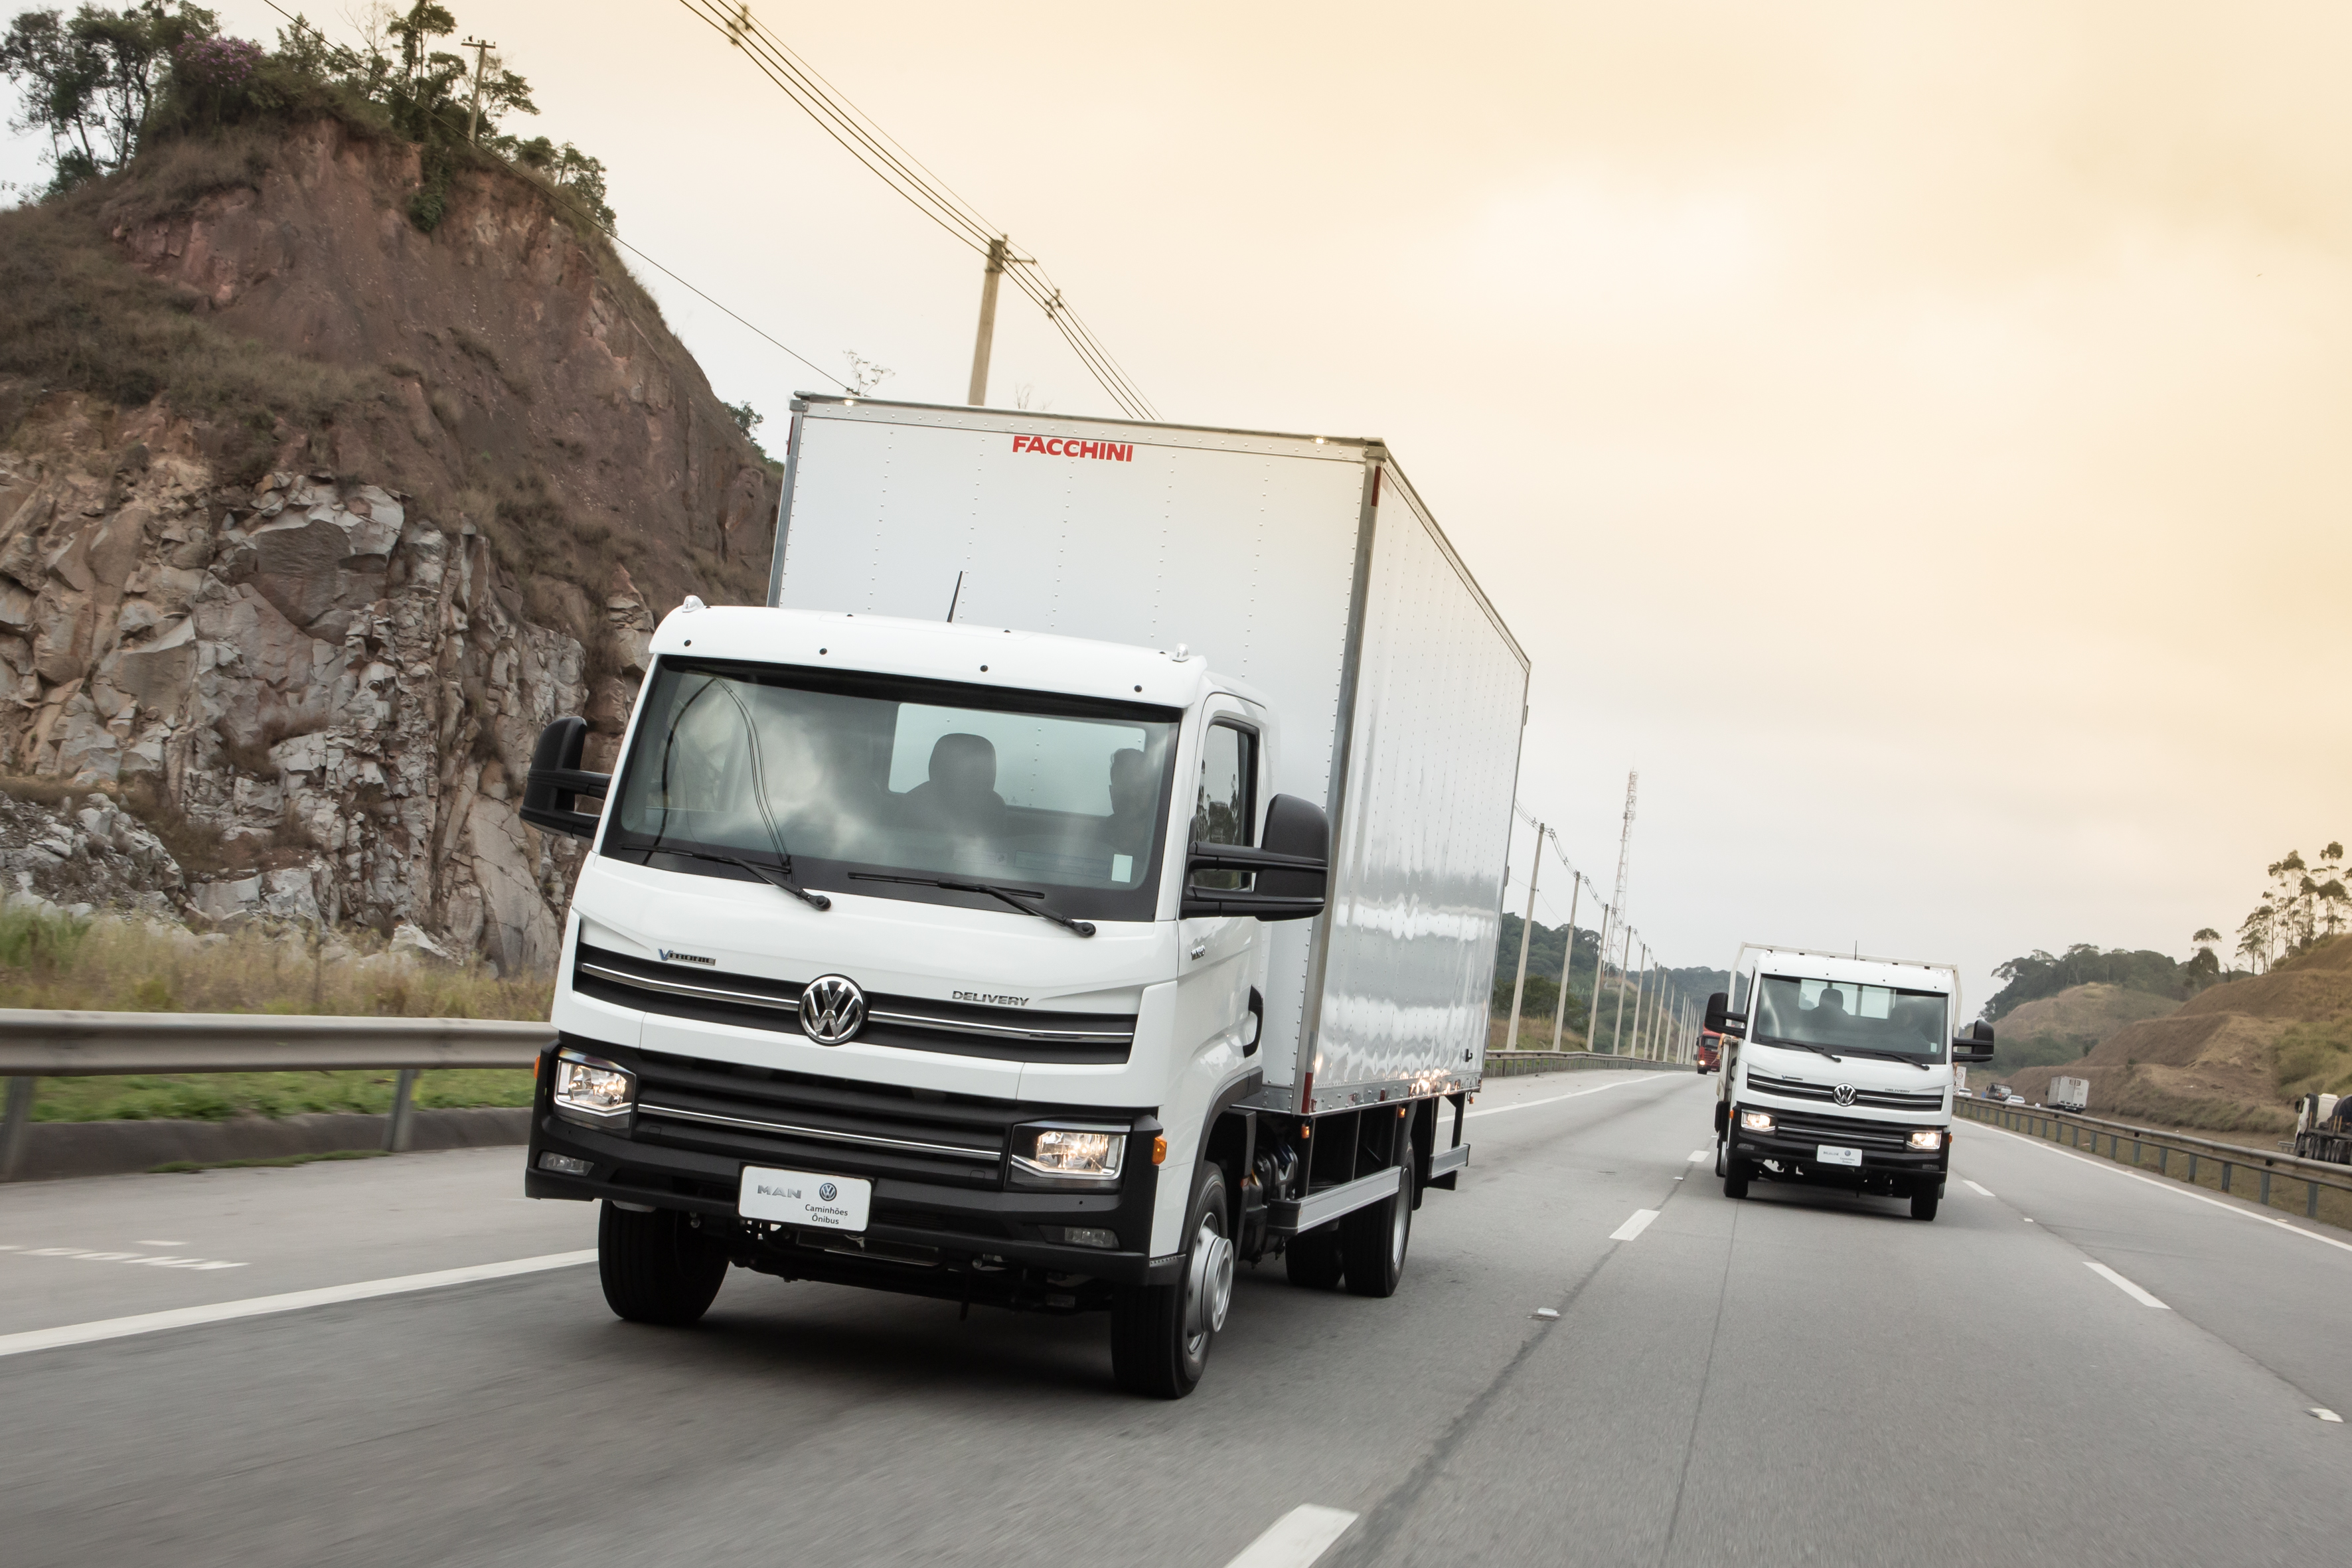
(1840, 1016)
(839, 774)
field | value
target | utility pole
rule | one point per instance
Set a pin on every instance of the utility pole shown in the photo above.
(1625, 967)
(481, 53)
(1641, 997)
(1599, 967)
(1527, 932)
(987, 339)
(1567, 958)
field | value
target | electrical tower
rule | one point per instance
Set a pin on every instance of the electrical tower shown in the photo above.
(1625, 842)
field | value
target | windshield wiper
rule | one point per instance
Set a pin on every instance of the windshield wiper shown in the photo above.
(1017, 897)
(1800, 1046)
(776, 877)
(1876, 1054)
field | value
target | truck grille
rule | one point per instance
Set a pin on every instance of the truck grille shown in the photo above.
(800, 1121)
(910, 1023)
(1842, 1131)
(1878, 1099)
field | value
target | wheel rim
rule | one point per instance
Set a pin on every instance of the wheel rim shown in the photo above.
(1398, 1221)
(1208, 1286)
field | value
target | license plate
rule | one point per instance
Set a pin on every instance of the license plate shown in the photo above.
(804, 1198)
(1827, 1154)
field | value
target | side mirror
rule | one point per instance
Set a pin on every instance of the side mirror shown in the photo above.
(551, 793)
(1292, 867)
(1976, 1046)
(1721, 1019)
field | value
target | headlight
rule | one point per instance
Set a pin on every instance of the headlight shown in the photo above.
(591, 1091)
(1067, 1157)
(1756, 1120)
(1927, 1138)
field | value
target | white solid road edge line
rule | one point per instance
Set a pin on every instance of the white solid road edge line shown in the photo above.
(1296, 1539)
(2166, 1183)
(291, 1301)
(1577, 1094)
(2123, 1285)
(1634, 1226)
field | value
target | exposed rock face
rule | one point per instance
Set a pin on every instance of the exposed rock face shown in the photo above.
(339, 669)
(81, 856)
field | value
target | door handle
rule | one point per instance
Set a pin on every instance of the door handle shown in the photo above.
(1256, 1023)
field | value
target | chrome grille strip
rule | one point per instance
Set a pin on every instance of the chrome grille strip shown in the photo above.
(681, 988)
(1003, 1031)
(832, 1135)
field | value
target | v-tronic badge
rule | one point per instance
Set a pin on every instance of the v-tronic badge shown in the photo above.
(833, 1009)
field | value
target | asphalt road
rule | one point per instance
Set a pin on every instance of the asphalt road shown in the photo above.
(1800, 1377)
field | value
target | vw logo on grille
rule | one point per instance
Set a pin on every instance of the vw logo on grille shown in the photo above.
(828, 1191)
(1842, 1093)
(833, 1009)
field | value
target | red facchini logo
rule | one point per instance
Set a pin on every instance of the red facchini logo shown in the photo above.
(1055, 446)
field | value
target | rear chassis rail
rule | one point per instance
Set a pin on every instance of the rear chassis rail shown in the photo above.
(979, 1240)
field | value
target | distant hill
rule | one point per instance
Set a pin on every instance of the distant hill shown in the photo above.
(2072, 1024)
(2231, 1057)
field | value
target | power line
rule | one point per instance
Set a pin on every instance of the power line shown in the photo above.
(557, 195)
(888, 159)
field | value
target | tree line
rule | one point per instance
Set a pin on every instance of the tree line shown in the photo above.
(103, 84)
(1549, 951)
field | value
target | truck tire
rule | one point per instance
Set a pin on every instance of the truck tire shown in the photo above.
(1161, 1335)
(1372, 1242)
(1311, 1260)
(656, 1268)
(1735, 1178)
(1925, 1201)
(1721, 1168)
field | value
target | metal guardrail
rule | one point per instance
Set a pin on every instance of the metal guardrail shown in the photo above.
(1514, 1063)
(2059, 1126)
(36, 1044)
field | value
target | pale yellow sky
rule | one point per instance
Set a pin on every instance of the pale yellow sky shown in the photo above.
(1913, 435)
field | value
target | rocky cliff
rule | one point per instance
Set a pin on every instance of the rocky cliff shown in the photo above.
(313, 655)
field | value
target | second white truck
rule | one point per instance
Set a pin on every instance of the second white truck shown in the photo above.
(1839, 1073)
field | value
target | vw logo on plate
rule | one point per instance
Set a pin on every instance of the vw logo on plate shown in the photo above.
(833, 1009)
(828, 1191)
(1842, 1093)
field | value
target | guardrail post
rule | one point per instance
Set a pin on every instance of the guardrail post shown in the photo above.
(2164, 1159)
(2311, 1204)
(397, 1127)
(12, 1124)
(2225, 1175)
(2266, 1186)
(2192, 1168)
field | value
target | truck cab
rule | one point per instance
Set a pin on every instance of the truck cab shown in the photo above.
(1840, 1072)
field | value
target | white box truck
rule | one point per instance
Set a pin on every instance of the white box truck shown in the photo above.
(2070, 1094)
(1084, 875)
(1840, 1072)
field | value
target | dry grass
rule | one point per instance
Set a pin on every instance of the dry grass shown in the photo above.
(125, 965)
(120, 965)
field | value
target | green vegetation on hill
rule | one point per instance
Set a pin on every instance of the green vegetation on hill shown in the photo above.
(2040, 974)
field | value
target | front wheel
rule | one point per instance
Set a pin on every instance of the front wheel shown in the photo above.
(1161, 1334)
(1924, 1201)
(1735, 1178)
(656, 1268)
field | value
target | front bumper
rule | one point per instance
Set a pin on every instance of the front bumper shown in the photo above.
(973, 1238)
(1794, 1145)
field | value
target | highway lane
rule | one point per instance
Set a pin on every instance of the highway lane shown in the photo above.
(1798, 1377)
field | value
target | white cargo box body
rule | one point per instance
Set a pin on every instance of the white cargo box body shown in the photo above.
(2069, 1093)
(1305, 568)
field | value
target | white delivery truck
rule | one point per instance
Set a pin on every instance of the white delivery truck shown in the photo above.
(1840, 1072)
(1083, 876)
(2070, 1094)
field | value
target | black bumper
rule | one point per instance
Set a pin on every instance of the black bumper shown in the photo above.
(928, 1237)
(1796, 1151)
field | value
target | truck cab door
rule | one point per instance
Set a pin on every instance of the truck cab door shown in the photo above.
(1223, 959)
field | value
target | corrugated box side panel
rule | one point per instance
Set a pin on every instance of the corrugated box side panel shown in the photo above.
(1424, 828)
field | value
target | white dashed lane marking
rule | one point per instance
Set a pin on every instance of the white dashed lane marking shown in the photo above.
(1633, 1227)
(152, 1259)
(1699, 1156)
(291, 1301)
(1296, 1539)
(1974, 1189)
(2123, 1285)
